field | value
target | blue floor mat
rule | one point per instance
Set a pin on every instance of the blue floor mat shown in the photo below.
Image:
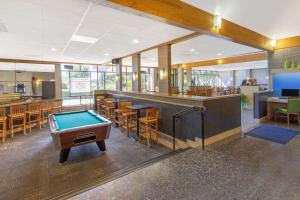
(273, 133)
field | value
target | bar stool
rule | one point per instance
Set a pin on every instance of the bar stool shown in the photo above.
(148, 124)
(99, 103)
(118, 112)
(109, 110)
(128, 121)
(103, 107)
(33, 110)
(3, 123)
(56, 106)
(17, 112)
(45, 111)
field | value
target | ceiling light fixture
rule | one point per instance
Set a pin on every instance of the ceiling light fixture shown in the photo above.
(84, 39)
(53, 49)
(135, 41)
(219, 54)
(273, 42)
(192, 50)
(106, 54)
(217, 21)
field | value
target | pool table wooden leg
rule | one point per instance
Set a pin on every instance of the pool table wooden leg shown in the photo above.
(64, 153)
(101, 145)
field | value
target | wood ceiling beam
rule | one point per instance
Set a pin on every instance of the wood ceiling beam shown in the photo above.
(288, 42)
(183, 15)
(235, 59)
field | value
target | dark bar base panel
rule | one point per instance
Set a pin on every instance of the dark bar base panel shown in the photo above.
(221, 115)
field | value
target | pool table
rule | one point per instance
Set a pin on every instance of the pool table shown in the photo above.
(70, 129)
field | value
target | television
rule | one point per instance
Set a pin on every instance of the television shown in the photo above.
(290, 92)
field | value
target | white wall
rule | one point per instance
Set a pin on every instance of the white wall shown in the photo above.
(9, 78)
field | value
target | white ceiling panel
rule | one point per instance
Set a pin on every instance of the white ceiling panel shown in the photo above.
(35, 27)
(272, 18)
(206, 47)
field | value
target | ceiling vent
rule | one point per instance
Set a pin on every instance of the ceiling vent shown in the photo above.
(3, 27)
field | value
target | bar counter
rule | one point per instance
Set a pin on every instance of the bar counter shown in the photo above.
(222, 117)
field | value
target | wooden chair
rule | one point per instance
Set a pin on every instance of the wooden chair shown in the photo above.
(129, 120)
(190, 92)
(103, 106)
(33, 110)
(56, 106)
(109, 110)
(118, 112)
(45, 111)
(3, 124)
(149, 124)
(99, 103)
(293, 108)
(209, 92)
(17, 112)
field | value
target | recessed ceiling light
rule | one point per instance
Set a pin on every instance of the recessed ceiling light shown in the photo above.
(219, 54)
(106, 54)
(135, 41)
(192, 50)
(85, 39)
(53, 49)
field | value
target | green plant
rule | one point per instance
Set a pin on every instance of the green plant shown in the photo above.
(243, 101)
(286, 64)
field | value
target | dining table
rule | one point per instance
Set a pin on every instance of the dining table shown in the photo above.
(138, 109)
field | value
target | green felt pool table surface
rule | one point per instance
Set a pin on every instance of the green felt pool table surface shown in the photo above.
(75, 119)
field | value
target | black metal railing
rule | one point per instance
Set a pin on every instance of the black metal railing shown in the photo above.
(177, 115)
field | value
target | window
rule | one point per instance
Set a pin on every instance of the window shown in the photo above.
(110, 81)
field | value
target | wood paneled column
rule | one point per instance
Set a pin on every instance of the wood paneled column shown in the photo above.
(180, 78)
(57, 76)
(136, 70)
(189, 76)
(164, 69)
(119, 75)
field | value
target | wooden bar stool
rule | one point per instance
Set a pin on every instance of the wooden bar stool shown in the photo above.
(103, 107)
(99, 103)
(17, 112)
(3, 123)
(56, 106)
(129, 121)
(109, 113)
(45, 111)
(149, 124)
(118, 112)
(33, 110)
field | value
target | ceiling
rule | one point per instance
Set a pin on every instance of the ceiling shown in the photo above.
(34, 27)
(273, 18)
(236, 66)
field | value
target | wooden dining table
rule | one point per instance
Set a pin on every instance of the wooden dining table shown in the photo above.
(138, 109)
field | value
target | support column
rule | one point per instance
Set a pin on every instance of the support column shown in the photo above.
(164, 68)
(154, 74)
(136, 70)
(233, 78)
(189, 77)
(180, 78)
(58, 81)
(119, 75)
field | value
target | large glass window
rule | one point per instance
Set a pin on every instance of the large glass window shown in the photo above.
(110, 81)
(80, 83)
(146, 79)
(205, 78)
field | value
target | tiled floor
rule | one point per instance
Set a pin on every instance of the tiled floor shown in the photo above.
(29, 167)
(241, 167)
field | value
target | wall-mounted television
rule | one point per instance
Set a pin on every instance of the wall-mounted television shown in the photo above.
(290, 92)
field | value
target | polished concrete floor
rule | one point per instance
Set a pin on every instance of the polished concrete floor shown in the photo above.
(29, 167)
(240, 167)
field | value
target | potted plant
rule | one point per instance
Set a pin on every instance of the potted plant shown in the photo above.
(243, 101)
